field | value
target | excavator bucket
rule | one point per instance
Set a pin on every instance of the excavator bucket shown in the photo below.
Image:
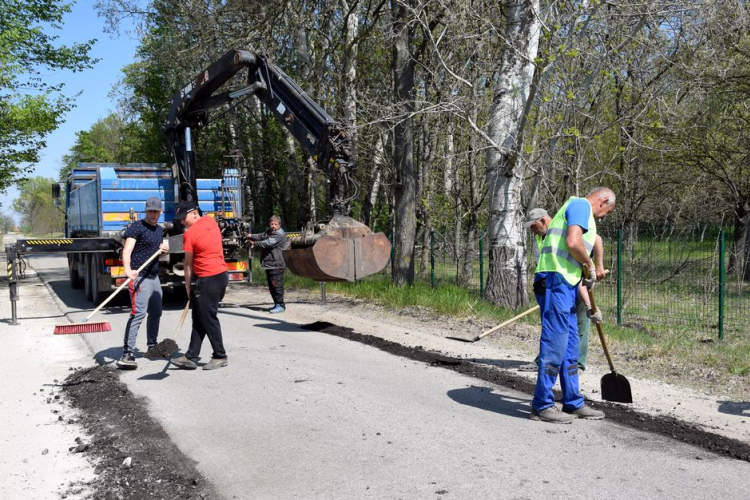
(342, 250)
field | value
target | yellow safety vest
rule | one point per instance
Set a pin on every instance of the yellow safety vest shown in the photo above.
(555, 256)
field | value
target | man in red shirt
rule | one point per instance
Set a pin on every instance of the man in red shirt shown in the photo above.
(204, 258)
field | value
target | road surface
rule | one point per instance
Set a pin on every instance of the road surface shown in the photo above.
(299, 414)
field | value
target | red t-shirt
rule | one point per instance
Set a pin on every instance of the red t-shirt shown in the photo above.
(203, 239)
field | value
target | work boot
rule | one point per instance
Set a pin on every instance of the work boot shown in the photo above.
(586, 412)
(184, 363)
(216, 363)
(277, 309)
(127, 361)
(552, 415)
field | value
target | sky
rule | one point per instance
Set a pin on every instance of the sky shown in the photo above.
(80, 25)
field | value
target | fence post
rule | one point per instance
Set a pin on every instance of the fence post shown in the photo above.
(393, 248)
(619, 276)
(432, 258)
(481, 264)
(721, 284)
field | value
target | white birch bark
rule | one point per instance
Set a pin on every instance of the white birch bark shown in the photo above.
(506, 280)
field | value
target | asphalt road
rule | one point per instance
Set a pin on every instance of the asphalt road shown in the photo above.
(304, 415)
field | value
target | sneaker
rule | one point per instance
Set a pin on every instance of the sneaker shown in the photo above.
(127, 361)
(586, 412)
(529, 367)
(552, 415)
(277, 309)
(272, 307)
(216, 363)
(184, 363)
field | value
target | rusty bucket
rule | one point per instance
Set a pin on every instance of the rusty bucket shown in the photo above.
(342, 250)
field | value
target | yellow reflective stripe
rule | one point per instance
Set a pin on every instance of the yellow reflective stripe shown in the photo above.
(117, 216)
(47, 242)
(559, 232)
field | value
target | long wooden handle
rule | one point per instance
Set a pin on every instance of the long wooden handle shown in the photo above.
(508, 322)
(182, 320)
(599, 328)
(124, 284)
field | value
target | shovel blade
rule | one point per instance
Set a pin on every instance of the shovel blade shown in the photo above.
(616, 388)
(463, 339)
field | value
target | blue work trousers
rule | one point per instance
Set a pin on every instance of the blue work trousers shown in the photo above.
(559, 344)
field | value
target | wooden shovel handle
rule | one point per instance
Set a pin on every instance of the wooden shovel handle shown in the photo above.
(599, 326)
(508, 322)
(182, 320)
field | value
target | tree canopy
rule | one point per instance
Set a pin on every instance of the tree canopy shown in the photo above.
(32, 106)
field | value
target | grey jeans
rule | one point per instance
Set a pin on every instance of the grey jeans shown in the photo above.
(145, 297)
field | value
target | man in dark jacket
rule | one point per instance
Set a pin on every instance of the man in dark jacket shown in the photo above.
(271, 243)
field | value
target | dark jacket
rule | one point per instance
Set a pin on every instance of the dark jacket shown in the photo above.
(271, 243)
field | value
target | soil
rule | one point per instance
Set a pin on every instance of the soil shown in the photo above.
(623, 415)
(163, 349)
(135, 458)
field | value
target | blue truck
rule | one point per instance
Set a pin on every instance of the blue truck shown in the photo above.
(103, 199)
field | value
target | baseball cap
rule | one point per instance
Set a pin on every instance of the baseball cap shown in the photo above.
(184, 208)
(534, 215)
(153, 203)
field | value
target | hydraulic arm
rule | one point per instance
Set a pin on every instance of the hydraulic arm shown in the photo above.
(341, 249)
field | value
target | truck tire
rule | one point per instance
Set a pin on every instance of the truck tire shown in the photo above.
(97, 296)
(75, 278)
(87, 276)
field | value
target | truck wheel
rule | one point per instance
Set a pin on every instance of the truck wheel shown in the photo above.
(75, 278)
(96, 295)
(87, 277)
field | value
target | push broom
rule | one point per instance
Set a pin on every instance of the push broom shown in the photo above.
(101, 326)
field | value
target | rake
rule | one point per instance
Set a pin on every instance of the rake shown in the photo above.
(101, 326)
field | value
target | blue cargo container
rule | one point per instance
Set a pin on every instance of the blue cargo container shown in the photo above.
(102, 199)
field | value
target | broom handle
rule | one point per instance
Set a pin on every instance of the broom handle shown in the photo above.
(508, 322)
(124, 284)
(599, 328)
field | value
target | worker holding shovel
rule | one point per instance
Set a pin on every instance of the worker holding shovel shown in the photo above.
(556, 279)
(537, 222)
(143, 239)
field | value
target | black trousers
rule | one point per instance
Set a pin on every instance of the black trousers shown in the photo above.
(206, 293)
(275, 279)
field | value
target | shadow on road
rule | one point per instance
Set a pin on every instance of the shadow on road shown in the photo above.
(739, 408)
(484, 399)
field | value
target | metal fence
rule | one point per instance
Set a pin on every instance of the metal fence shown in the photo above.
(676, 277)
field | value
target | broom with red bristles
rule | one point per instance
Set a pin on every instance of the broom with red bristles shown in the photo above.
(101, 326)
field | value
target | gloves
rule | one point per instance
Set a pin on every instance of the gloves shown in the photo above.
(594, 316)
(589, 281)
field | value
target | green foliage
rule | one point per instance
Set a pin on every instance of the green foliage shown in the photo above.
(111, 140)
(35, 205)
(30, 106)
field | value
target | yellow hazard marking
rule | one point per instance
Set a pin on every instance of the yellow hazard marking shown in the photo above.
(117, 217)
(48, 242)
(293, 235)
(237, 266)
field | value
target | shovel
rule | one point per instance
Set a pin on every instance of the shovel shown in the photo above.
(167, 347)
(615, 387)
(501, 325)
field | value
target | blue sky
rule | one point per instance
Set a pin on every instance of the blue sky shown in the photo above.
(80, 25)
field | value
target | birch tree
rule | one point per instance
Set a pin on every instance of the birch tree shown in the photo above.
(506, 281)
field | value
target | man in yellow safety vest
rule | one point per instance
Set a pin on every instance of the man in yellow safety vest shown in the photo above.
(570, 238)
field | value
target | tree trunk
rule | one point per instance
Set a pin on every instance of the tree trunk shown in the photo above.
(350, 76)
(506, 281)
(405, 209)
(372, 198)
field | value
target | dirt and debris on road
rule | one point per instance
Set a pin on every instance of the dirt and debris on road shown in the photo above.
(136, 460)
(163, 349)
(664, 425)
